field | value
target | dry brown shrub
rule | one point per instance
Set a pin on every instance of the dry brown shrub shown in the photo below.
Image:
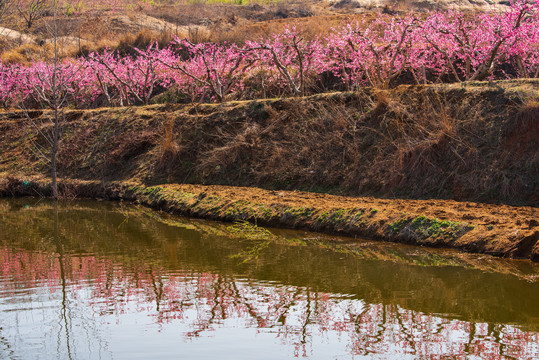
(297, 144)
(67, 191)
(14, 56)
(143, 39)
(315, 27)
(522, 134)
(66, 47)
(197, 34)
(130, 146)
(528, 114)
(27, 53)
(10, 185)
(168, 148)
(237, 149)
(425, 138)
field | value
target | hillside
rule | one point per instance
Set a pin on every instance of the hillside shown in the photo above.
(84, 27)
(466, 142)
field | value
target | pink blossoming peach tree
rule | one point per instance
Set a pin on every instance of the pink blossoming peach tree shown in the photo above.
(444, 46)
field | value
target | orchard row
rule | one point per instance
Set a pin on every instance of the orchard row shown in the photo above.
(391, 50)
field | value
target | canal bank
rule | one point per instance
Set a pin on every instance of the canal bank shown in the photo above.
(437, 165)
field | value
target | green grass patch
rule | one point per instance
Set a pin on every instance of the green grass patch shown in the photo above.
(424, 227)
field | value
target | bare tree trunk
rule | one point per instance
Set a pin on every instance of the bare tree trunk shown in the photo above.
(54, 151)
(55, 135)
(52, 94)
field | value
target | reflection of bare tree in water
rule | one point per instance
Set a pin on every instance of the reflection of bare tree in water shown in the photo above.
(294, 313)
(6, 352)
(65, 322)
(422, 335)
(157, 286)
(408, 336)
(65, 318)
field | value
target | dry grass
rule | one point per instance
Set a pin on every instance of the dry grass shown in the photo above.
(312, 28)
(529, 112)
(384, 141)
(168, 149)
(427, 135)
(142, 40)
(27, 53)
(74, 47)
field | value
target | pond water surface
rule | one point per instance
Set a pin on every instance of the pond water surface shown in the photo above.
(99, 280)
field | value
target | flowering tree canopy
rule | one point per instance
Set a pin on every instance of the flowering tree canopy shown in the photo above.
(444, 46)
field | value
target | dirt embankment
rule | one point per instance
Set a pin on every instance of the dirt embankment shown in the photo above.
(474, 142)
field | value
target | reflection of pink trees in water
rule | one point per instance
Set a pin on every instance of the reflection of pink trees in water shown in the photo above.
(204, 301)
(381, 328)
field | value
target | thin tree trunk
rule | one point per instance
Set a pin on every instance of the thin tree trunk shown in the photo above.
(54, 151)
(54, 147)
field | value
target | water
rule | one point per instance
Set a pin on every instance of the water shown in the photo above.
(91, 280)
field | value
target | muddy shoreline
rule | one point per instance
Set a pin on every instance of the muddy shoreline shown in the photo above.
(499, 230)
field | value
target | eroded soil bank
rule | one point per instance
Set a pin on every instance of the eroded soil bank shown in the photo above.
(499, 230)
(465, 146)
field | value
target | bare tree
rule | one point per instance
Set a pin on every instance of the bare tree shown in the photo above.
(32, 10)
(51, 91)
(5, 6)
